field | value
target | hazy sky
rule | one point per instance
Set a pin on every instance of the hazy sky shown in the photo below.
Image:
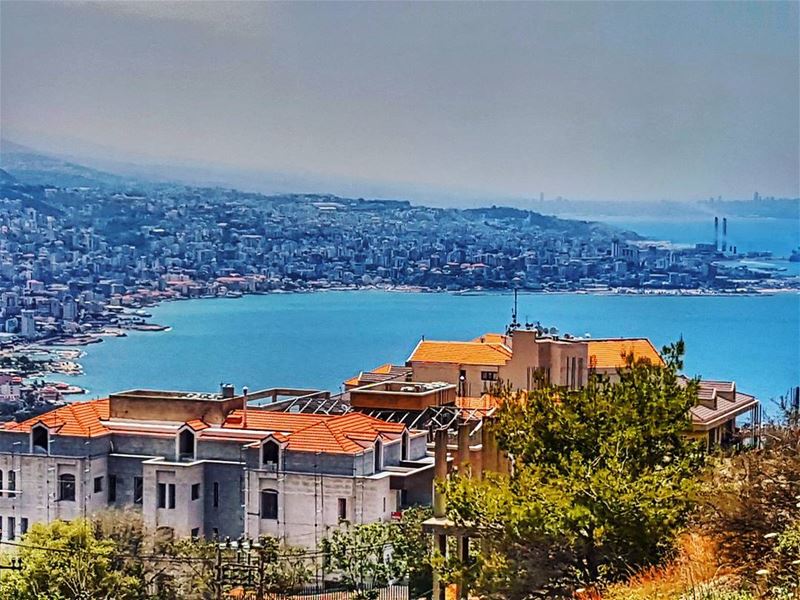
(587, 100)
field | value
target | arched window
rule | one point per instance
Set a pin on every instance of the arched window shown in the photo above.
(186, 445)
(66, 488)
(405, 446)
(40, 439)
(377, 453)
(270, 454)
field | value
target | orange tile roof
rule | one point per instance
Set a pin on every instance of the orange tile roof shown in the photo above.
(384, 369)
(462, 353)
(344, 434)
(82, 419)
(612, 353)
(492, 338)
(485, 402)
(270, 420)
(197, 424)
(349, 433)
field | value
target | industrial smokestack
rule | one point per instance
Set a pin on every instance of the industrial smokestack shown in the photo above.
(716, 233)
(724, 234)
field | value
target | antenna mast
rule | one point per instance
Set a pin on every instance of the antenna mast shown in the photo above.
(244, 407)
(514, 323)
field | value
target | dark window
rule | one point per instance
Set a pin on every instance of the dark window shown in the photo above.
(23, 525)
(342, 509)
(12, 528)
(66, 488)
(98, 485)
(40, 435)
(186, 445)
(573, 380)
(404, 446)
(215, 494)
(12, 483)
(215, 533)
(195, 533)
(269, 453)
(112, 488)
(166, 495)
(195, 491)
(138, 490)
(488, 375)
(377, 454)
(269, 504)
(1, 483)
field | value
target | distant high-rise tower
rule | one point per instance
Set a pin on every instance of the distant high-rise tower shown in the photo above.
(541, 197)
(716, 233)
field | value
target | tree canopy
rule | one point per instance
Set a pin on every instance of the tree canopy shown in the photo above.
(602, 477)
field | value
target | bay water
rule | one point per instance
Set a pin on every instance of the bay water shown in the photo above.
(319, 339)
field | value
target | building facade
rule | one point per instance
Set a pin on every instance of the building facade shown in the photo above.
(209, 465)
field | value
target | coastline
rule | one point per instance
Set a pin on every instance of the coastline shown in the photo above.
(91, 337)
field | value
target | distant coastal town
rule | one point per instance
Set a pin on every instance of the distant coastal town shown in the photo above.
(82, 262)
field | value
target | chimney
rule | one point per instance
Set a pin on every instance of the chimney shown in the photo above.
(716, 233)
(227, 390)
(724, 233)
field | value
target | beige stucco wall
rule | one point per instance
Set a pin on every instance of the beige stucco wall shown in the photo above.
(188, 513)
(37, 482)
(308, 505)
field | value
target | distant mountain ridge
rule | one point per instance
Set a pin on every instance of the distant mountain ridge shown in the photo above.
(31, 170)
(32, 167)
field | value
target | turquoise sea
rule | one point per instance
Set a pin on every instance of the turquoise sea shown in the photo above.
(320, 339)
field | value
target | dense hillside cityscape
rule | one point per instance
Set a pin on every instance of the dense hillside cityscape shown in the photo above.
(399, 300)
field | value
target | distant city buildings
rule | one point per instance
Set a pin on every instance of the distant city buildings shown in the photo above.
(68, 254)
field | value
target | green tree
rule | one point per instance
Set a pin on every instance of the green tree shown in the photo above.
(362, 556)
(603, 476)
(66, 561)
(284, 568)
(411, 549)
(165, 568)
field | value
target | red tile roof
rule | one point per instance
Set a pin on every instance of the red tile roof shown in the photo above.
(349, 433)
(271, 420)
(197, 424)
(343, 434)
(82, 419)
